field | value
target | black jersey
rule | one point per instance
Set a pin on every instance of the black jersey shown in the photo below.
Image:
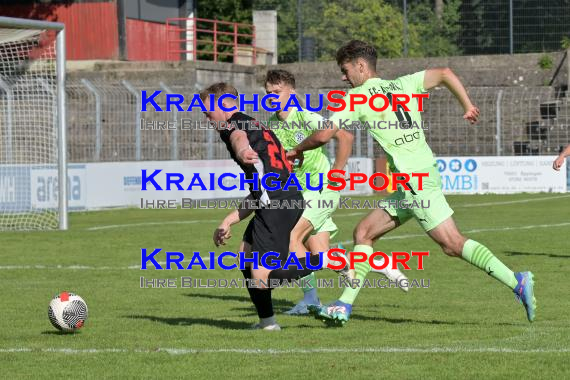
(271, 154)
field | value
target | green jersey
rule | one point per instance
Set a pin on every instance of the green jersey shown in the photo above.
(399, 133)
(298, 126)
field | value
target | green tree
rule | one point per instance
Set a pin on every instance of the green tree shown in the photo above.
(226, 10)
(330, 23)
(376, 22)
(288, 19)
(432, 34)
(222, 10)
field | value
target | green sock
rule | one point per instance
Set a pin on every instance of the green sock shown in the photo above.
(477, 254)
(311, 281)
(349, 294)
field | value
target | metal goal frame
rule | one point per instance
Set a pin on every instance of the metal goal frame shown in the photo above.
(59, 28)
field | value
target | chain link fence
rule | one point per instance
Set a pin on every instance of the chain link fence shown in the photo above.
(313, 30)
(104, 124)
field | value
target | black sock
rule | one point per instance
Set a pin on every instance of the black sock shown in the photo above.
(261, 298)
(293, 273)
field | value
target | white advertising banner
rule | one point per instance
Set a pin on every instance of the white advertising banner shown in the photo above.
(501, 175)
(119, 184)
(44, 187)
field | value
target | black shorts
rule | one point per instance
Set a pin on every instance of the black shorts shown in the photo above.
(270, 230)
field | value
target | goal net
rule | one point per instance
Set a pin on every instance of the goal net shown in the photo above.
(32, 137)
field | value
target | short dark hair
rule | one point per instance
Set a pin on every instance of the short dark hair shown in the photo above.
(218, 89)
(357, 49)
(280, 76)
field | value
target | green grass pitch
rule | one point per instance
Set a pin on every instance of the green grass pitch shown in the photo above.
(466, 325)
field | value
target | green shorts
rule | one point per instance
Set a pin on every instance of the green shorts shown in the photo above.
(320, 217)
(428, 206)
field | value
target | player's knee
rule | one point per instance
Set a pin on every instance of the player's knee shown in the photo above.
(296, 236)
(361, 235)
(301, 231)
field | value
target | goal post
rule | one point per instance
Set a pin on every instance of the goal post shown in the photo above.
(33, 154)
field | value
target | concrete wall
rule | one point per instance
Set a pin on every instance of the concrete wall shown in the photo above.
(202, 73)
(474, 71)
(265, 23)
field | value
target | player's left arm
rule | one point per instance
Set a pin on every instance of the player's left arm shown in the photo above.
(223, 232)
(240, 144)
(445, 76)
(557, 164)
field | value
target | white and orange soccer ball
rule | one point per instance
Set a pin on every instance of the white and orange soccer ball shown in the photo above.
(67, 312)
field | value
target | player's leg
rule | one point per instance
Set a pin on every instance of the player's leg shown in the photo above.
(315, 243)
(316, 220)
(299, 235)
(440, 226)
(299, 244)
(310, 224)
(376, 224)
(271, 232)
(454, 244)
(261, 298)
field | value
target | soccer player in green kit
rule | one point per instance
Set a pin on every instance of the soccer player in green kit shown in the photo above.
(407, 152)
(316, 227)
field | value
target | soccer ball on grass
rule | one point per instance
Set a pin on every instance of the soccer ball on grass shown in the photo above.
(67, 312)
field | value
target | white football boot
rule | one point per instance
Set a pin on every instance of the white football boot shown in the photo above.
(392, 274)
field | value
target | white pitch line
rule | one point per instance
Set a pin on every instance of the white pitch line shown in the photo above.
(468, 205)
(398, 237)
(81, 267)
(293, 351)
(512, 202)
(112, 226)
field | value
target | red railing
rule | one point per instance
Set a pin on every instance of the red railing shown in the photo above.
(189, 39)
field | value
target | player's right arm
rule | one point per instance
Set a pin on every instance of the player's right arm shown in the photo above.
(344, 149)
(243, 151)
(323, 136)
(446, 77)
(314, 141)
(223, 232)
(557, 164)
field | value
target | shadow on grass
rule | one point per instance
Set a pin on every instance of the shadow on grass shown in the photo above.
(516, 253)
(57, 332)
(408, 320)
(219, 323)
(390, 320)
(278, 303)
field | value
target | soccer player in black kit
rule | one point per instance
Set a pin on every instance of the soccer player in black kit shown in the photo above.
(257, 150)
